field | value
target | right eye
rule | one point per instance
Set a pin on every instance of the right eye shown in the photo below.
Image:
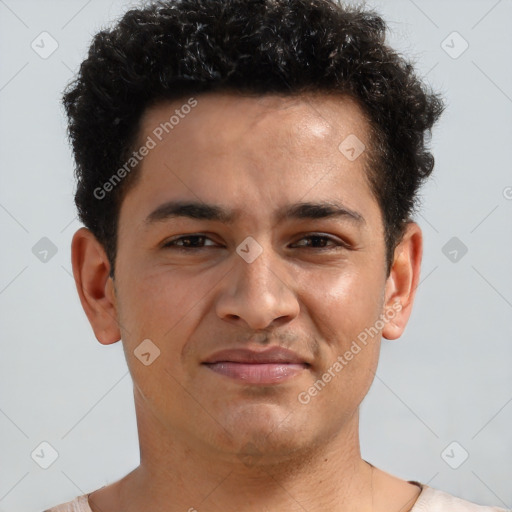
(189, 242)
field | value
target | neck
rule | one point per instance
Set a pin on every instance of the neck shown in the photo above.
(178, 474)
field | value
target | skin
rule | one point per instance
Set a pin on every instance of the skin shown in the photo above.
(208, 442)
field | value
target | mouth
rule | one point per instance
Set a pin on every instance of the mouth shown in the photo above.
(271, 366)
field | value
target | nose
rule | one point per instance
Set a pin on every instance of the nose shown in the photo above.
(258, 294)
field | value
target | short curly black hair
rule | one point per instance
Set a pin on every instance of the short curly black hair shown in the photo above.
(167, 50)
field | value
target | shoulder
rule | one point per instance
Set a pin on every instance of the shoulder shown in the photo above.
(434, 500)
(79, 504)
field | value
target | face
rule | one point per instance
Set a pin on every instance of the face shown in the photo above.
(263, 301)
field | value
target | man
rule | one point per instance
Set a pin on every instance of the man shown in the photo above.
(247, 171)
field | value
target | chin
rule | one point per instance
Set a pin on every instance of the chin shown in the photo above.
(267, 429)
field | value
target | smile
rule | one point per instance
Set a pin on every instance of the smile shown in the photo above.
(257, 373)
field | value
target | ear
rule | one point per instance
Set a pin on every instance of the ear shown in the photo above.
(96, 289)
(402, 282)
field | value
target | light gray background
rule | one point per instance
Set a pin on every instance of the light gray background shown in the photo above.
(448, 378)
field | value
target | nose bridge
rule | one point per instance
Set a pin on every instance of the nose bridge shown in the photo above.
(257, 290)
(255, 268)
(256, 271)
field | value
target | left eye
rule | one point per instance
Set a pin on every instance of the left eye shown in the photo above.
(197, 242)
(322, 238)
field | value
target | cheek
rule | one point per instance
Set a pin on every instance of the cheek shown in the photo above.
(344, 306)
(161, 307)
(344, 301)
(156, 305)
(167, 307)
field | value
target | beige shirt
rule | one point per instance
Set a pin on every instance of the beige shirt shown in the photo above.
(429, 500)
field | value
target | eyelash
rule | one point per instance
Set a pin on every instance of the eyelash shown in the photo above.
(339, 244)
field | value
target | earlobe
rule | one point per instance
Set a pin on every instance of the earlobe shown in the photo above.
(95, 288)
(402, 282)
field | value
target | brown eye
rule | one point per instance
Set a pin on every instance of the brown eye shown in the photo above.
(321, 241)
(187, 242)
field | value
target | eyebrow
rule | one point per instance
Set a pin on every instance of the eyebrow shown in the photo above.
(212, 212)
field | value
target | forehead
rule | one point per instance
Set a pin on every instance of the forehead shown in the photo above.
(287, 120)
(252, 150)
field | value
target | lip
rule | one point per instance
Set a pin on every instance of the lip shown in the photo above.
(251, 356)
(270, 366)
